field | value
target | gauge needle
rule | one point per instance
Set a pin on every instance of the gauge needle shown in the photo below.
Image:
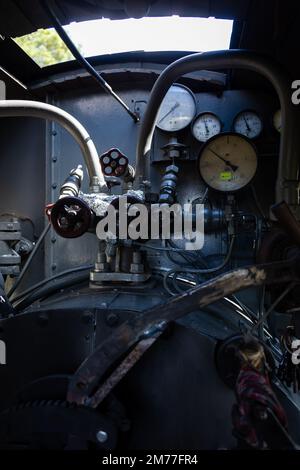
(169, 112)
(206, 128)
(233, 167)
(247, 124)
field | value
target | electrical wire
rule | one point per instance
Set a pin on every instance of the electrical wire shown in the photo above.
(28, 261)
(173, 273)
(82, 61)
(191, 257)
(158, 248)
(217, 268)
(44, 282)
(47, 291)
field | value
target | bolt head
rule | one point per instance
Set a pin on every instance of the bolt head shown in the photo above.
(136, 268)
(101, 436)
(112, 319)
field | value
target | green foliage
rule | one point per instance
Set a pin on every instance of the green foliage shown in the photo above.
(45, 47)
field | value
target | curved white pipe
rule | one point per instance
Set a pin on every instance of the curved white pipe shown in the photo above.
(14, 108)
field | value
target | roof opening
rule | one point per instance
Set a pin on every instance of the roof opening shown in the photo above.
(105, 36)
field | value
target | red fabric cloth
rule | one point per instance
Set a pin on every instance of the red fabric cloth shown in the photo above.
(253, 388)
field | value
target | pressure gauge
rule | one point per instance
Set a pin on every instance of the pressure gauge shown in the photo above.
(177, 109)
(205, 126)
(228, 162)
(248, 123)
(277, 120)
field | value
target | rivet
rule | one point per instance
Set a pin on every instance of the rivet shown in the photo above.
(101, 436)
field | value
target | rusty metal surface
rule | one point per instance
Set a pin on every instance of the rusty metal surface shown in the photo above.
(121, 370)
(89, 374)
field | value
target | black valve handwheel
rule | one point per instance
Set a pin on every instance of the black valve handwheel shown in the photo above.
(70, 217)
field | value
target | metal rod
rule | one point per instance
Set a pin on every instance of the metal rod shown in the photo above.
(83, 62)
(270, 310)
(89, 374)
(123, 369)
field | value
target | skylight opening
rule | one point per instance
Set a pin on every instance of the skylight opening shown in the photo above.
(105, 36)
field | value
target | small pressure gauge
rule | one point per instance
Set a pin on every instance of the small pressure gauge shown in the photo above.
(248, 123)
(205, 126)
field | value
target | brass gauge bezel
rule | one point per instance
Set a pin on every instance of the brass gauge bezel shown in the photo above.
(208, 143)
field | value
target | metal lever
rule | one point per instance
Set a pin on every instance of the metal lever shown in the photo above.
(88, 376)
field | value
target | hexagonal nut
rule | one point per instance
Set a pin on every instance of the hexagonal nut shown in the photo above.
(167, 182)
(172, 169)
(169, 177)
(103, 267)
(166, 198)
(174, 153)
(136, 268)
(112, 319)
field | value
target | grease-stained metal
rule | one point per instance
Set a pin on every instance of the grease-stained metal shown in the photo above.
(88, 376)
(120, 372)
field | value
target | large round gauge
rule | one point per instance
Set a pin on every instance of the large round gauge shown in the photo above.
(277, 120)
(177, 109)
(228, 162)
(205, 126)
(248, 123)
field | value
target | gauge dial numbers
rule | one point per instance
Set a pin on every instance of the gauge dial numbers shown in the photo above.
(227, 162)
(177, 109)
(248, 123)
(277, 120)
(205, 126)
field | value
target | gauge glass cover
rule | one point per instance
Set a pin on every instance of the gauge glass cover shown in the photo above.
(177, 109)
(205, 126)
(228, 162)
(248, 123)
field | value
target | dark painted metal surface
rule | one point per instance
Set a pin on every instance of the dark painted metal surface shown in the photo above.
(110, 128)
(175, 398)
(174, 388)
(42, 344)
(89, 374)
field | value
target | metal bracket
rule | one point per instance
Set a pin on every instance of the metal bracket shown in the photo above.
(10, 232)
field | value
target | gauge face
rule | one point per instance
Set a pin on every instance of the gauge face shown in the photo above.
(277, 120)
(205, 126)
(248, 123)
(177, 109)
(228, 162)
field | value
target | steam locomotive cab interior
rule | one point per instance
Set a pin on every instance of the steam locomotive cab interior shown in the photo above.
(116, 332)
